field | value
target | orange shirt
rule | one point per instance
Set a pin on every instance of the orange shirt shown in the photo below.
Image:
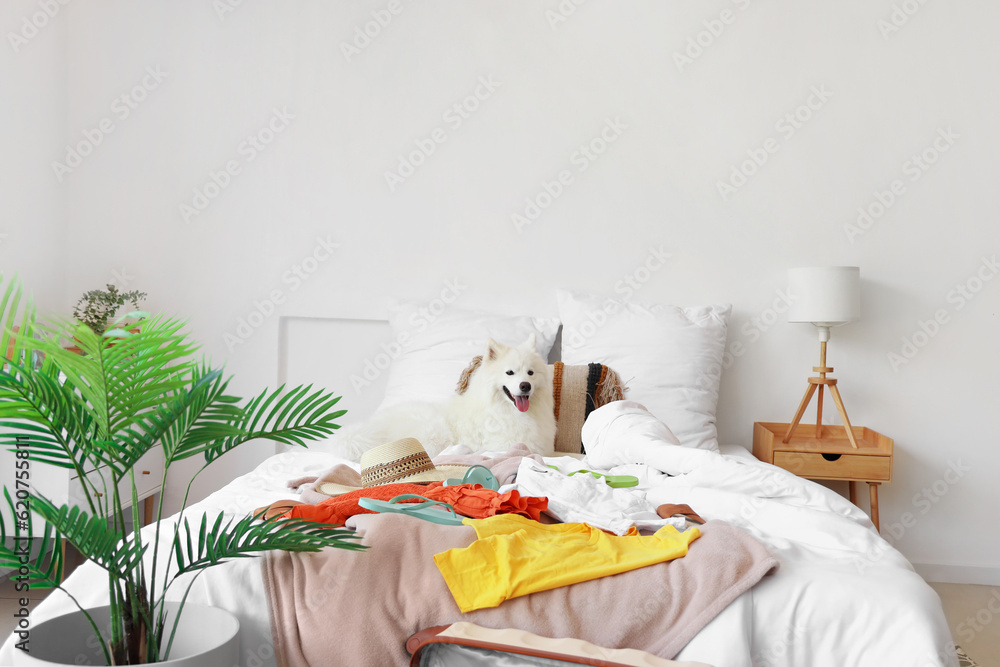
(471, 500)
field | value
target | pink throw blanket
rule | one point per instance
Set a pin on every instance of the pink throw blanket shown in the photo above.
(341, 607)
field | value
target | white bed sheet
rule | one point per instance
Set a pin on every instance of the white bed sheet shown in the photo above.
(842, 595)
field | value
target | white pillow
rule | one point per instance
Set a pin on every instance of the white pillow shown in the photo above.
(670, 358)
(437, 341)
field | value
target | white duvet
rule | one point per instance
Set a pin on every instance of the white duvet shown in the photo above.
(841, 597)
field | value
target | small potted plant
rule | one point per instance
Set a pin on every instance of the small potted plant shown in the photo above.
(105, 407)
(98, 308)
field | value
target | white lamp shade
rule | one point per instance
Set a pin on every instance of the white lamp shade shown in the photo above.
(825, 296)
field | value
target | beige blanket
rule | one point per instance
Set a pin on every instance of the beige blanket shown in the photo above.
(341, 607)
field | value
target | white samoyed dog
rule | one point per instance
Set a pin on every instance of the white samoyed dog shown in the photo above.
(504, 397)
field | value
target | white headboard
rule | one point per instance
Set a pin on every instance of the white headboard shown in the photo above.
(349, 357)
(345, 356)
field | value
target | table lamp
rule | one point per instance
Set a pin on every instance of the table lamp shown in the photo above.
(825, 297)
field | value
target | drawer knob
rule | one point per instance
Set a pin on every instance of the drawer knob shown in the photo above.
(98, 494)
(831, 457)
(145, 472)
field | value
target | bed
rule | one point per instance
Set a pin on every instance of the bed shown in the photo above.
(841, 595)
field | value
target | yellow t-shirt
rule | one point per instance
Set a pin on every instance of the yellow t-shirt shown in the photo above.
(515, 556)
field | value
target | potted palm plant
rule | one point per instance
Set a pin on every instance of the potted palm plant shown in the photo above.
(126, 393)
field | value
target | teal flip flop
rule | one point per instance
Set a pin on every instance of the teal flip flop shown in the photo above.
(616, 481)
(477, 474)
(425, 510)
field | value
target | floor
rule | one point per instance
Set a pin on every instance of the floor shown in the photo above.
(973, 613)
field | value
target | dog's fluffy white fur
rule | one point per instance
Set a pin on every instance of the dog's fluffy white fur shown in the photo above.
(505, 398)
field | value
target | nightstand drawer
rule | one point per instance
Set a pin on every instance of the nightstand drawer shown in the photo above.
(148, 474)
(814, 465)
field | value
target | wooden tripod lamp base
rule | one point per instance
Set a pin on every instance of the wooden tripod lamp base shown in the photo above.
(825, 297)
(819, 383)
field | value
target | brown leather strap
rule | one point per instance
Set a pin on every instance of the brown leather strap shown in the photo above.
(276, 509)
(416, 643)
(666, 511)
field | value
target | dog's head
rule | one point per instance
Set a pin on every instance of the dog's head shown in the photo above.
(516, 372)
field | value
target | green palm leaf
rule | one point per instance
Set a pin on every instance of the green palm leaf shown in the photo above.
(15, 315)
(106, 405)
(166, 424)
(248, 537)
(41, 557)
(92, 536)
(51, 415)
(290, 417)
(203, 415)
(121, 375)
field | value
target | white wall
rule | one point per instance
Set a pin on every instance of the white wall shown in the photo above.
(884, 97)
(33, 214)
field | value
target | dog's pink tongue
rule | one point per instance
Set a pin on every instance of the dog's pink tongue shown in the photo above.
(521, 402)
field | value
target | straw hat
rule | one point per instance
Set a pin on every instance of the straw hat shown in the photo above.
(398, 461)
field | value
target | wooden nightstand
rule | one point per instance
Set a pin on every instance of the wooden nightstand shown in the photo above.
(828, 455)
(63, 486)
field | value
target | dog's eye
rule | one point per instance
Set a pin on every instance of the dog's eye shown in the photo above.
(510, 372)
(531, 372)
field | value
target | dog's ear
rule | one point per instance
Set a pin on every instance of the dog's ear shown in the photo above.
(531, 342)
(463, 381)
(493, 349)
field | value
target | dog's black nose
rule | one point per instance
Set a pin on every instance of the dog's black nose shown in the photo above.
(525, 387)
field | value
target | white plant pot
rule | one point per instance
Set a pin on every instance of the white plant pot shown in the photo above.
(206, 637)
